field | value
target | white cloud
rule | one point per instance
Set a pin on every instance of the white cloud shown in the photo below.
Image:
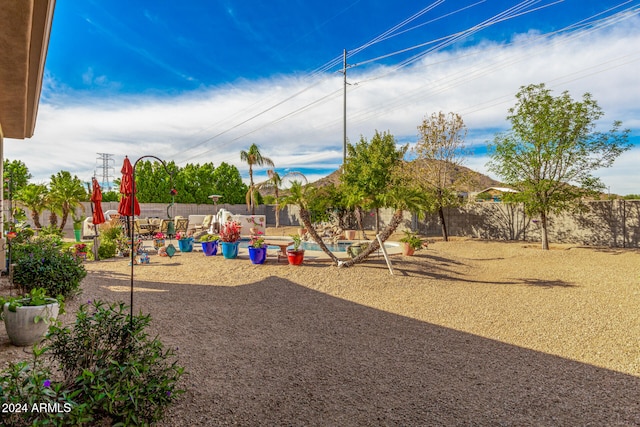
(214, 124)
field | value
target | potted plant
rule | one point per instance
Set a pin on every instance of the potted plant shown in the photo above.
(209, 244)
(355, 249)
(295, 255)
(257, 250)
(158, 240)
(411, 242)
(27, 318)
(230, 239)
(185, 242)
(80, 251)
(77, 226)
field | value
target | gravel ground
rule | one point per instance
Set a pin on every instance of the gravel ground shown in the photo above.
(467, 332)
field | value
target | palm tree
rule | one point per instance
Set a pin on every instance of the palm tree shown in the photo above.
(300, 195)
(66, 193)
(33, 197)
(401, 198)
(254, 157)
(275, 181)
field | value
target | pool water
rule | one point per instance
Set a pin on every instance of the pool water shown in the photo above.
(313, 246)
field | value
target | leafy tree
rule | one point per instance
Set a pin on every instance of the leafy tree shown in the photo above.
(34, 198)
(66, 193)
(227, 182)
(154, 182)
(198, 180)
(438, 154)
(369, 167)
(552, 150)
(19, 174)
(253, 157)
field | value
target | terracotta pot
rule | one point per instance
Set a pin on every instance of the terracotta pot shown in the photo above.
(407, 250)
(350, 234)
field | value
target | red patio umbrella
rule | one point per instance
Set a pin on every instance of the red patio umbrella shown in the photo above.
(127, 189)
(96, 198)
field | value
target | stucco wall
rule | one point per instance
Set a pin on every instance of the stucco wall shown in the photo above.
(614, 223)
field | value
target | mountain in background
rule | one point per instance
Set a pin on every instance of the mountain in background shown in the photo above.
(478, 181)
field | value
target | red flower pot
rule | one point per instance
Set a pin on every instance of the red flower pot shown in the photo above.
(295, 257)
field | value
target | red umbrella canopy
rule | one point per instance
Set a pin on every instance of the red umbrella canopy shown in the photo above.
(96, 199)
(127, 189)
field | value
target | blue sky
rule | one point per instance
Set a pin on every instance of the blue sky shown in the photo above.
(200, 81)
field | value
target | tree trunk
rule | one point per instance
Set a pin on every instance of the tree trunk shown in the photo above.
(306, 220)
(377, 220)
(35, 216)
(445, 235)
(253, 211)
(277, 209)
(396, 219)
(358, 212)
(545, 236)
(53, 219)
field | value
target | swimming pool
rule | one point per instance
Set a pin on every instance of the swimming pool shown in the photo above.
(313, 246)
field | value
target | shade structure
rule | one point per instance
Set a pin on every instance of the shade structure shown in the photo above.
(96, 199)
(127, 189)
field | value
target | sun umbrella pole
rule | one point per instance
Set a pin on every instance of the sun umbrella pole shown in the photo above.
(95, 229)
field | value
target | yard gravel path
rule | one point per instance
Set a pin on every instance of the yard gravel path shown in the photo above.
(467, 332)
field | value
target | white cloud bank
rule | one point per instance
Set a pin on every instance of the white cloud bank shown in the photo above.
(305, 132)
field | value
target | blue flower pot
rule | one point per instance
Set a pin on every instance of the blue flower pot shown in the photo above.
(229, 249)
(186, 245)
(258, 255)
(210, 248)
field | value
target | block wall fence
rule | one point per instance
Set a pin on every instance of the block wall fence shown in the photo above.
(612, 223)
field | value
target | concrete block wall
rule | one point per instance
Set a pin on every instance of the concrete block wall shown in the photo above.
(612, 223)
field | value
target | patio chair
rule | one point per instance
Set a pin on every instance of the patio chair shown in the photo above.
(143, 233)
(181, 225)
(206, 223)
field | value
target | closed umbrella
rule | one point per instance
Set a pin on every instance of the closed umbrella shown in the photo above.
(96, 199)
(127, 189)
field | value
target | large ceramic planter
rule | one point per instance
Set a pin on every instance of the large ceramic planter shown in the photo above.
(295, 257)
(21, 325)
(350, 234)
(258, 255)
(229, 249)
(210, 248)
(186, 245)
(77, 234)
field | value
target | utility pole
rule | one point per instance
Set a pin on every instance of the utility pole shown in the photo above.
(344, 109)
(107, 166)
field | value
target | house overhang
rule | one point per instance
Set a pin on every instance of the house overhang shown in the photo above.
(25, 26)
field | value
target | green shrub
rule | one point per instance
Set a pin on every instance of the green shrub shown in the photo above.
(107, 249)
(53, 232)
(40, 263)
(111, 231)
(27, 385)
(112, 373)
(110, 361)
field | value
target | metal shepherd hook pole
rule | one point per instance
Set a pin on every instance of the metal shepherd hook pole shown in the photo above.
(131, 228)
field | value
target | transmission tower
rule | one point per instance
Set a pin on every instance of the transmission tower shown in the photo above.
(106, 164)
